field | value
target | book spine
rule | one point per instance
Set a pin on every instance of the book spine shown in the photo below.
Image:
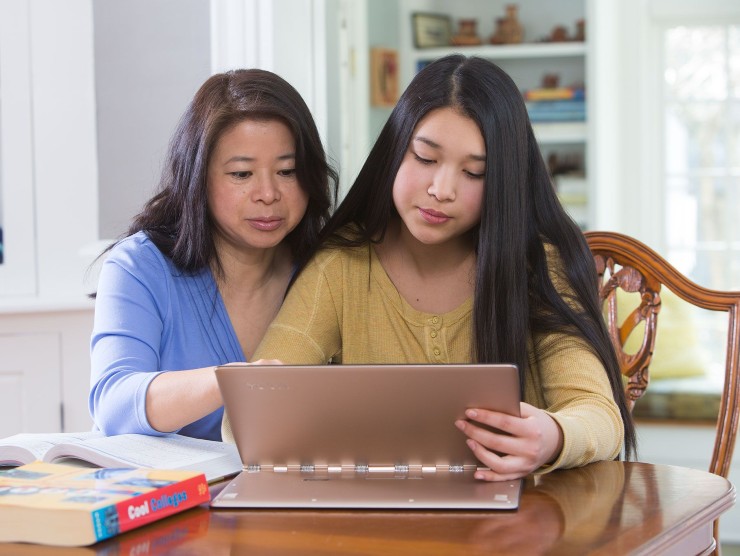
(558, 93)
(150, 506)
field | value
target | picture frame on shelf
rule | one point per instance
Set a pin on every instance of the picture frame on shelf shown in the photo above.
(383, 77)
(431, 30)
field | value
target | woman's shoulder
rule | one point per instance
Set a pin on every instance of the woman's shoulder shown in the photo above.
(137, 253)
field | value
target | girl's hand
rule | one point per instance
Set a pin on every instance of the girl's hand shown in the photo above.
(533, 440)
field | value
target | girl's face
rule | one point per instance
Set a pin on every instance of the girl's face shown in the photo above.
(438, 190)
(254, 197)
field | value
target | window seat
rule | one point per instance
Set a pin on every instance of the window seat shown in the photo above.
(688, 399)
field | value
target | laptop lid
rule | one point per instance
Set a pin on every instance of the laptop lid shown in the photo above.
(299, 428)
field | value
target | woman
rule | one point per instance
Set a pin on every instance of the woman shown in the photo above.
(204, 267)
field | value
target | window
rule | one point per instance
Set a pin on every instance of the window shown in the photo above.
(701, 167)
(700, 170)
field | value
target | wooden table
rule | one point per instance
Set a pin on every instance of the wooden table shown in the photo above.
(604, 508)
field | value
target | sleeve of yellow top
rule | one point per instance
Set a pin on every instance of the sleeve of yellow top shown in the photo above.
(307, 330)
(578, 396)
(576, 389)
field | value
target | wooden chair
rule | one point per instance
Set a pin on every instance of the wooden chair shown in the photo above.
(624, 263)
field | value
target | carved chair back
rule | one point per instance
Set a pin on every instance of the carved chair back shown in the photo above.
(624, 263)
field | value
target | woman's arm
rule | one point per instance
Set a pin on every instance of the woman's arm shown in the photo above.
(176, 399)
(139, 332)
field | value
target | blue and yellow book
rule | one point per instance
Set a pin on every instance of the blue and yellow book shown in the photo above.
(64, 505)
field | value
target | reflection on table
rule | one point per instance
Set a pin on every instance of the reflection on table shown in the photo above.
(607, 507)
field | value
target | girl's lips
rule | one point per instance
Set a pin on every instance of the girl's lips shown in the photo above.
(265, 224)
(433, 216)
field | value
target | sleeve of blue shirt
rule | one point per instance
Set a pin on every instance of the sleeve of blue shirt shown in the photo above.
(130, 309)
(152, 317)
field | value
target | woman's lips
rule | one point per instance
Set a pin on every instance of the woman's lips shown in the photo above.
(433, 216)
(265, 224)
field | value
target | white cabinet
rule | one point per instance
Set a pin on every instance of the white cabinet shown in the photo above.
(30, 383)
(44, 371)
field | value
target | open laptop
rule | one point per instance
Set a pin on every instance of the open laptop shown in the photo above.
(362, 436)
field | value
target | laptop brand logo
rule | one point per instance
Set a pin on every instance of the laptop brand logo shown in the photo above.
(266, 386)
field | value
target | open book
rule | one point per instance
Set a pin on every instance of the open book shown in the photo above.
(172, 451)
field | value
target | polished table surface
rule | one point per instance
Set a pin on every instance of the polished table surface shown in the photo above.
(603, 508)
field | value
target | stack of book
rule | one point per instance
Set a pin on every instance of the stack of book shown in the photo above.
(65, 505)
(556, 104)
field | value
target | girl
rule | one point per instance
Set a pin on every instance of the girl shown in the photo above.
(451, 246)
(205, 266)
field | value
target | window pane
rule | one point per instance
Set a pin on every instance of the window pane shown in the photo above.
(733, 41)
(695, 135)
(733, 140)
(695, 66)
(702, 153)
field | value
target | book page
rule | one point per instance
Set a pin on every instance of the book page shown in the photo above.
(215, 459)
(27, 447)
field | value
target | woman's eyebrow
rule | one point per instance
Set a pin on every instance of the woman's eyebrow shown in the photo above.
(243, 158)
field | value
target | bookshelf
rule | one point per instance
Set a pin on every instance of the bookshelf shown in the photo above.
(527, 63)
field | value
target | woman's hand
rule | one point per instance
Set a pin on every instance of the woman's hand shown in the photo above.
(532, 440)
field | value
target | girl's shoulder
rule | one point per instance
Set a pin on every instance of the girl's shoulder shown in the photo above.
(342, 256)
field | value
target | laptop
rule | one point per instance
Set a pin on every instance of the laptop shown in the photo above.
(362, 436)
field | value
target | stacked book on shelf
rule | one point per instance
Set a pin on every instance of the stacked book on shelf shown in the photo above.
(556, 104)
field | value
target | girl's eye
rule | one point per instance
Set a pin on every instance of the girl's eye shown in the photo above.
(475, 176)
(241, 175)
(423, 160)
(287, 173)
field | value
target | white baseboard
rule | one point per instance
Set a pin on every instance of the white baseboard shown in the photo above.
(689, 446)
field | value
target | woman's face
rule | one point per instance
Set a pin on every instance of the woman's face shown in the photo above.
(438, 190)
(254, 197)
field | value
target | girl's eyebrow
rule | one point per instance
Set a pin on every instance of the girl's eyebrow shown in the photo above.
(427, 142)
(434, 145)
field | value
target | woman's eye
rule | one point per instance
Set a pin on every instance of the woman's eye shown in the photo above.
(287, 173)
(241, 175)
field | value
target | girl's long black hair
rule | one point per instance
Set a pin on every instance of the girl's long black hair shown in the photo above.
(514, 297)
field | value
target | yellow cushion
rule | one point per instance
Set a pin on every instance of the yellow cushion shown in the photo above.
(677, 350)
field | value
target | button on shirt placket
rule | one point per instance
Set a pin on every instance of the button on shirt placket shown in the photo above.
(434, 325)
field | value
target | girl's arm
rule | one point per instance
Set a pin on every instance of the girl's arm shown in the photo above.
(573, 419)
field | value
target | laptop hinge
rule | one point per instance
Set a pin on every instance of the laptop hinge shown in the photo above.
(397, 469)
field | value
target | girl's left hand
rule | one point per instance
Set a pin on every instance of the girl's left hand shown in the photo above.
(532, 440)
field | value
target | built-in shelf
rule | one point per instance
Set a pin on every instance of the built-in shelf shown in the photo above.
(507, 51)
(560, 132)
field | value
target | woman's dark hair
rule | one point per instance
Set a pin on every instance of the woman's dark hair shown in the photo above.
(177, 218)
(514, 298)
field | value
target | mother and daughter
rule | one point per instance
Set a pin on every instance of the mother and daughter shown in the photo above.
(450, 247)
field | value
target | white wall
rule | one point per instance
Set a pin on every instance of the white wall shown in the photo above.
(150, 58)
(51, 150)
